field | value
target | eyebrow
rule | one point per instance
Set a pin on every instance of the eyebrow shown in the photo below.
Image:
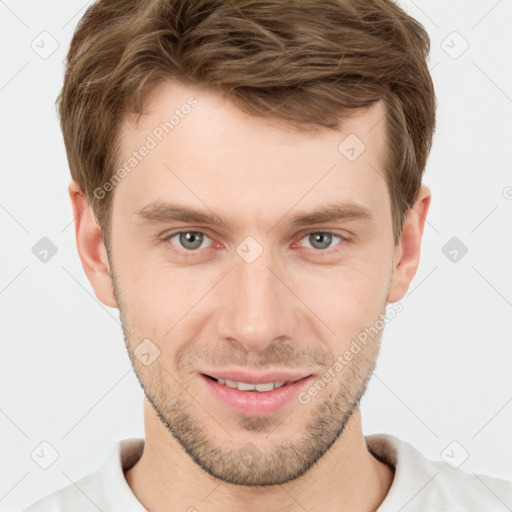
(158, 212)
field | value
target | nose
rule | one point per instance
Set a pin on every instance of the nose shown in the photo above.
(258, 307)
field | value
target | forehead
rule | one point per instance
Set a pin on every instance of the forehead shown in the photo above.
(203, 149)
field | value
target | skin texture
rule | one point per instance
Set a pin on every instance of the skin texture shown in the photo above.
(295, 307)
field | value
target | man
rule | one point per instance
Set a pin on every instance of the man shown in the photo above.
(247, 187)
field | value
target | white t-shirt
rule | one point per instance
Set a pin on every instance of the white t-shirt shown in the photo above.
(419, 484)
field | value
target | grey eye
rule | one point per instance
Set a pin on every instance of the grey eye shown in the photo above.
(321, 240)
(190, 240)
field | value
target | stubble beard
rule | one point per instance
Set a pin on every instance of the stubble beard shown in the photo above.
(249, 464)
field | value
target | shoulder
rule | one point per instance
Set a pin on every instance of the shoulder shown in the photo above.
(423, 484)
(80, 497)
(106, 489)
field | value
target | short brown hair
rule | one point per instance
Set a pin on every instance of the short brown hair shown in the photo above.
(308, 62)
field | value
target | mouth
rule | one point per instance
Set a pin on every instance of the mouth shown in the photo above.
(253, 395)
(262, 387)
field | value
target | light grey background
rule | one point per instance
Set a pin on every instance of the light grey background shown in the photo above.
(444, 369)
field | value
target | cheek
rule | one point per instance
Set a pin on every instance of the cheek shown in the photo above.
(347, 298)
(160, 299)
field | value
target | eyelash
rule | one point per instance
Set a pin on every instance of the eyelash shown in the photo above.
(196, 252)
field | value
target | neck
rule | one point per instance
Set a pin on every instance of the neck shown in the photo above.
(346, 478)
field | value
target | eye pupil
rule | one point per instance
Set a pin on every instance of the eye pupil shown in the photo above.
(324, 240)
(191, 239)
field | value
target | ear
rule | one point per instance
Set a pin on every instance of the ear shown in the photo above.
(407, 254)
(91, 247)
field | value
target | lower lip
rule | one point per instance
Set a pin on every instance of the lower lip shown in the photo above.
(255, 403)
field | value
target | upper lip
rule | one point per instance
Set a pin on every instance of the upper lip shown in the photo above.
(256, 378)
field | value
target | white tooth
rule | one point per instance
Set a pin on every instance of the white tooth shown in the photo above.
(268, 386)
(242, 386)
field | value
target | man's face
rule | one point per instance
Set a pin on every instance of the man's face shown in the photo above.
(255, 293)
